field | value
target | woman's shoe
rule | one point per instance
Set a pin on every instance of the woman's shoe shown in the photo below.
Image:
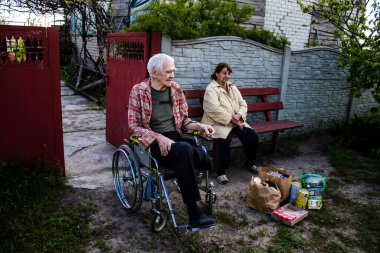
(222, 179)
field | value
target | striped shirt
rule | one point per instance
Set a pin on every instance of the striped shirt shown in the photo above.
(140, 111)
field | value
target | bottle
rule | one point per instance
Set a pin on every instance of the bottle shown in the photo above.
(8, 41)
(10, 46)
(20, 54)
(13, 43)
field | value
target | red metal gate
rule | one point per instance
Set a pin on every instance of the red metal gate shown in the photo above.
(30, 99)
(127, 57)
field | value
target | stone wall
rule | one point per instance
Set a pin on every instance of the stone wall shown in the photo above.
(314, 91)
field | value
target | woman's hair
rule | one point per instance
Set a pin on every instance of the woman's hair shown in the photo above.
(156, 62)
(219, 69)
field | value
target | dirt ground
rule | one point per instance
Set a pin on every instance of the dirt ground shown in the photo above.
(238, 228)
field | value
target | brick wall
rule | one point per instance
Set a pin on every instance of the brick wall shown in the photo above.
(92, 47)
(286, 18)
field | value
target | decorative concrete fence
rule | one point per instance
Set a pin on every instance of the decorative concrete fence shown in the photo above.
(314, 90)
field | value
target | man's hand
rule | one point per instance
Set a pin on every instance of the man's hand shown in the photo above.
(206, 131)
(165, 144)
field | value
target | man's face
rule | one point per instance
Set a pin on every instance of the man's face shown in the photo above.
(166, 76)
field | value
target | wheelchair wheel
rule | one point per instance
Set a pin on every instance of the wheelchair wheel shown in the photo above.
(159, 220)
(127, 179)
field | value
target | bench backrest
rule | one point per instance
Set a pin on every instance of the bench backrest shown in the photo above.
(264, 105)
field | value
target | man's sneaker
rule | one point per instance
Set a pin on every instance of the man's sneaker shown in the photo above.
(203, 221)
(222, 179)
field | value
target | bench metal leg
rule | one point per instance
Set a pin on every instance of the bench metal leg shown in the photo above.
(275, 140)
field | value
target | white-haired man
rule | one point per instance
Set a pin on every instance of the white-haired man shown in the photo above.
(158, 117)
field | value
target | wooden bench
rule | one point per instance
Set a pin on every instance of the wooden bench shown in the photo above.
(264, 106)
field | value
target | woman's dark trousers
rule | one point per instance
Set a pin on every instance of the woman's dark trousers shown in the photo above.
(248, 138)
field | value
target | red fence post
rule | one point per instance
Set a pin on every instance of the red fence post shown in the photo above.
(58, 156)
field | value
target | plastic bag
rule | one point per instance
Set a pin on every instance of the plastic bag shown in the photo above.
(315, 183)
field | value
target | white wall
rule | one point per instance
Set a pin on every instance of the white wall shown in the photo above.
(285, 17)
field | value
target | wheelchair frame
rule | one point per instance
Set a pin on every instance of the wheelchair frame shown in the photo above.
(130, 181)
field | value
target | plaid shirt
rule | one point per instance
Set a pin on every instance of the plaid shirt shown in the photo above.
(140, 111)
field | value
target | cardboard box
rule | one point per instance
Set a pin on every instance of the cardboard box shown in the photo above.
(289, 214)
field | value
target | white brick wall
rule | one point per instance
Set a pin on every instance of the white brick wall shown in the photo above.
(92, 47)
(286, 18)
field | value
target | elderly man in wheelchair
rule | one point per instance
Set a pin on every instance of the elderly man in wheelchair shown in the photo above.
(158, 122)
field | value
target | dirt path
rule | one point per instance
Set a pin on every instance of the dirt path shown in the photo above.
(238, 227)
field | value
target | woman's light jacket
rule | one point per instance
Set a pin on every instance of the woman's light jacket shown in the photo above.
(219, 106)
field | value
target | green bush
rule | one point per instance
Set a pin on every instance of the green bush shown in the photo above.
(189, 19)
(68, 73)
(67, 49)
(267, 38)
(360, 133)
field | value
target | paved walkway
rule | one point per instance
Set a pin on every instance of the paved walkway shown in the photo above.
(88, 157)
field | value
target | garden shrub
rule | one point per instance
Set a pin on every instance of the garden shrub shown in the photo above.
(360, 133)
(189, 19)
(267, 38)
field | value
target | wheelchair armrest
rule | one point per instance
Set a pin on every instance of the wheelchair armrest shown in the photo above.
(196, 134)
(134, 139)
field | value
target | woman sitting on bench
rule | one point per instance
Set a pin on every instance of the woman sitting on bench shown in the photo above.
(226, 110)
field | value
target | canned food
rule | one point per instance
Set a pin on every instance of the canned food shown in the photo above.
(295, 186)
(302, 197)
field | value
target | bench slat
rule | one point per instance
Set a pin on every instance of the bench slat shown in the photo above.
(194, 94)
(264, 106)
(259, 91)
(273, 126)
(261, 107)
(195, 112)
(244, 92)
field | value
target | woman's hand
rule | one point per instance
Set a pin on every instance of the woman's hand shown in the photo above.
(236, 120)
(165, 144)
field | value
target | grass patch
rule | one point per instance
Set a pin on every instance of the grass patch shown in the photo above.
(231, 220)
(258, 234)
(343, 214)
(284, 241)
(194, 244)
(288, 148)
(351, 166)
(289, 145)
(360, 133)
(31, 218)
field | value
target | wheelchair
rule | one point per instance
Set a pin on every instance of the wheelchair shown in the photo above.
(137, 177)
